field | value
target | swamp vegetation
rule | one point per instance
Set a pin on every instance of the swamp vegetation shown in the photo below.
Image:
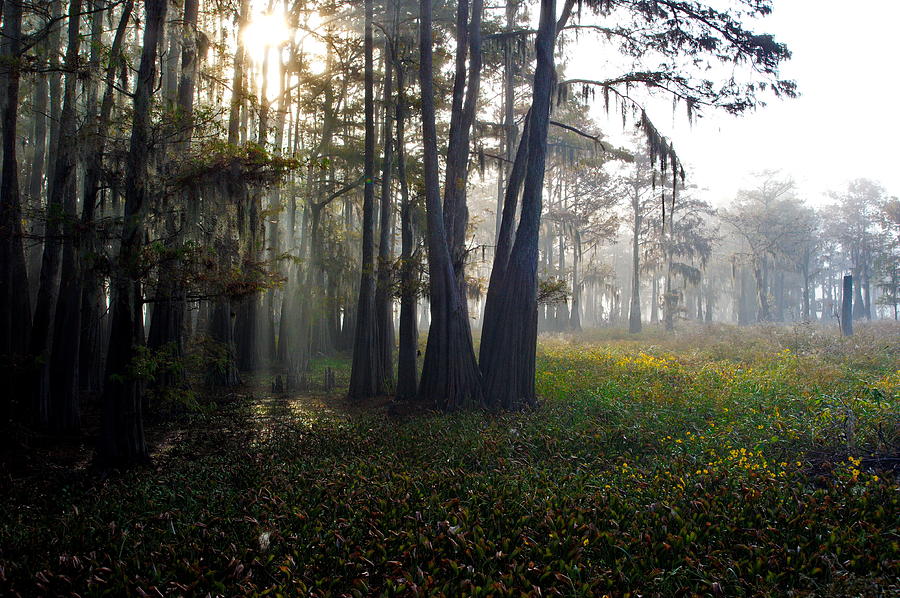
(409, 298)
(721, 461)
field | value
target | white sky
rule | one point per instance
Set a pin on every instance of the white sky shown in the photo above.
(844, 125)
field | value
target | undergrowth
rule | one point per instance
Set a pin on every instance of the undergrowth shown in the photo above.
(756, 468)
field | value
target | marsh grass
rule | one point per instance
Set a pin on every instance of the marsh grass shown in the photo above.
(718, 462)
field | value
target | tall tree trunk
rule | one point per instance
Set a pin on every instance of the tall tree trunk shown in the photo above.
(634, 314)
(274, 238)
(169, 68)
(509, 124)
(700, 301)
(407, 374)
(507, 221)
(38, 166)
(562, 308)
(237, 82)
(88, 349)
(867, 290)
(287, 324)
(384, 320)
(167, 326)
(15, 306)
(121, 440)
(450, 375)
(225, 373)
(248, 322)
(60, 202)
(292, 349)
(366, 375)
(847, 307)
(463, 106)
(93, 301)
(55, 78)
(670, 301)
(760, 275)
(827, 300)
(575, 317)
(778, 292)
(808, 314)
(312, 310)
(64, 388)
(509, 366)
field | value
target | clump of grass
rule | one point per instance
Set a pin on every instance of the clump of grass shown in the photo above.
(874, 346)
(799, 402)
(651, 471)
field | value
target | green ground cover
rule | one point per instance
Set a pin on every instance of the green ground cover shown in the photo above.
(719, 462)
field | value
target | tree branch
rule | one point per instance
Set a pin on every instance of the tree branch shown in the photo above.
(594, 138)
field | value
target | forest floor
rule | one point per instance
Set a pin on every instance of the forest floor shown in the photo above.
(714, 462)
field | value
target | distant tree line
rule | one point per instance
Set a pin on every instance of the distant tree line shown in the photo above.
(767, 256)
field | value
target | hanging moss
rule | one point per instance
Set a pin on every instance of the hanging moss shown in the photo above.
(219, 166)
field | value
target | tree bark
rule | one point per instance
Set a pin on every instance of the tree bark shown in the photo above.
(670, 297)
(866, 289)
(121, 441)
(55, 79)
(15, 306)
(167, 327)
(292, 349)
(778, 291)
(38, 165)
(384, 320)
(64, 388)
(61, 206)
(575, 316)
(366, 375)
(92, 298)
(237, 82)
(807, 312)
(509, 125)
(407, 374)
(634, 314)
(223, 372)
(509, 366)
(248, 322)
(847, 307)
(221, 328)
(450, 375)
(506, 234)
(456, 212)
(275, 204)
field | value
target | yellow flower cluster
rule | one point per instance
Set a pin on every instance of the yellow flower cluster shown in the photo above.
(889, 384)
(749, 461)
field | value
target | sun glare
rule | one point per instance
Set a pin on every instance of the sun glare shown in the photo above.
(265, 32)
(266, 35)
